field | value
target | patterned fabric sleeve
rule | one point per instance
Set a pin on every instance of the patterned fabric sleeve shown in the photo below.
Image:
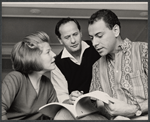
(95, 82)
(145, 57)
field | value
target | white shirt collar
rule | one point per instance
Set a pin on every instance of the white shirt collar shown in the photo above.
(66, 54)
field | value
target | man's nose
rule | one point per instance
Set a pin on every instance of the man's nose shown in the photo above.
(72, 39)
(95, 42)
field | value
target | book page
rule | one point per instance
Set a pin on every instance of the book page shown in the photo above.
(99, 95)
(84, 106)
(51, 109)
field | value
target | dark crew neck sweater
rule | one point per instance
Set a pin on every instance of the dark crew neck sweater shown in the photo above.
(78, 76)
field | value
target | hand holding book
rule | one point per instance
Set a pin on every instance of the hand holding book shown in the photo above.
(82, 105)
(74, 95)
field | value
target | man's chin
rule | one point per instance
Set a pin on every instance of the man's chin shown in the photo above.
(76, 49)
(102, 54)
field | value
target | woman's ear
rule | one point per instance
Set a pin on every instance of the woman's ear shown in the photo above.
(116, 30)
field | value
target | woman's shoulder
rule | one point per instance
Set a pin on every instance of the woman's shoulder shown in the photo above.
(15, 73)
(14, 76)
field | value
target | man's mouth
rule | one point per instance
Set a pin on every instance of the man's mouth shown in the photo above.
(74, 46)
(99, 49)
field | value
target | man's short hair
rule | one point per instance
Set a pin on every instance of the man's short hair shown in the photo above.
(25, 54)
(109, 17)
(64, 21)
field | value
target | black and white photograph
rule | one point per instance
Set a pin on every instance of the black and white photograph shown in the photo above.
(74, 60)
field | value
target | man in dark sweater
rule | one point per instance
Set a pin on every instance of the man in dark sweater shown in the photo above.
(73, 73)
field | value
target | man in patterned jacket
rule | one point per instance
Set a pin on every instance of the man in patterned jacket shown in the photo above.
(122, 71)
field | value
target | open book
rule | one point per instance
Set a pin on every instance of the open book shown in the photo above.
(83, 105)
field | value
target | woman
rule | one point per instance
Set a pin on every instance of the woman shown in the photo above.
(26, 89)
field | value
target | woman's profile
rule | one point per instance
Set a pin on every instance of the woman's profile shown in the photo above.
(26, 89)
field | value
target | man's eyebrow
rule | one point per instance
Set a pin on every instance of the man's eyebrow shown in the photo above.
(98, 33)
(66, 35)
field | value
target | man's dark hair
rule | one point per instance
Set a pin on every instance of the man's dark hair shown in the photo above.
(108, 16)
(64, 21)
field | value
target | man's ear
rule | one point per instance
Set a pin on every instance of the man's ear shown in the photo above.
(116, 30)
(59, 40)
